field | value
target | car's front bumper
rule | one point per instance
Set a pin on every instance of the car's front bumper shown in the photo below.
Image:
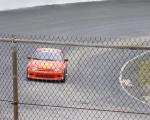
(44, 75)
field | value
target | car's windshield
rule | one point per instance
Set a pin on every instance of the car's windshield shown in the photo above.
(52, 56)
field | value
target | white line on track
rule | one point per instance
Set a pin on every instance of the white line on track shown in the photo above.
(120, 77)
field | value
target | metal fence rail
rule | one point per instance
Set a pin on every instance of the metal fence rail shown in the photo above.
(39, 41)
(102, 81)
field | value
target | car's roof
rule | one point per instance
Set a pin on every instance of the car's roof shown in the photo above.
(48, 50)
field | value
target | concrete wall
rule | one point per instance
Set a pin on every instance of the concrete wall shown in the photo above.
(13, 4)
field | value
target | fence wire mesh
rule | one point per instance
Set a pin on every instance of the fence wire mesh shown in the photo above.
(98, 81)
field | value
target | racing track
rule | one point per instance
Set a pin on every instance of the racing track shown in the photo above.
(93, 81)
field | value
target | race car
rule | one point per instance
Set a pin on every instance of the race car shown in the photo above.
(47, 64)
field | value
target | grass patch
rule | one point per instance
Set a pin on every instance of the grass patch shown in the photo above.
(144, 72)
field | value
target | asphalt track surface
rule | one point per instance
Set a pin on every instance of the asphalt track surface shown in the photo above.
(93, 73)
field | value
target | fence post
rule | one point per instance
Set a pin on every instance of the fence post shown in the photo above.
(15, 78)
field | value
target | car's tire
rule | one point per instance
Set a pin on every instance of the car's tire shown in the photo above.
(65, 75)
(28, 79)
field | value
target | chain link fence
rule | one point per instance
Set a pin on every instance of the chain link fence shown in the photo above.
(63, 78)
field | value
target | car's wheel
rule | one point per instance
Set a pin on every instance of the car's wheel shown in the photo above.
(65, 75)
(27, 75)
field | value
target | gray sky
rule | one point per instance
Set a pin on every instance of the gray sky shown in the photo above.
(13, 4)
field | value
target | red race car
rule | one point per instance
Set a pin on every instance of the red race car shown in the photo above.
(47, 64)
